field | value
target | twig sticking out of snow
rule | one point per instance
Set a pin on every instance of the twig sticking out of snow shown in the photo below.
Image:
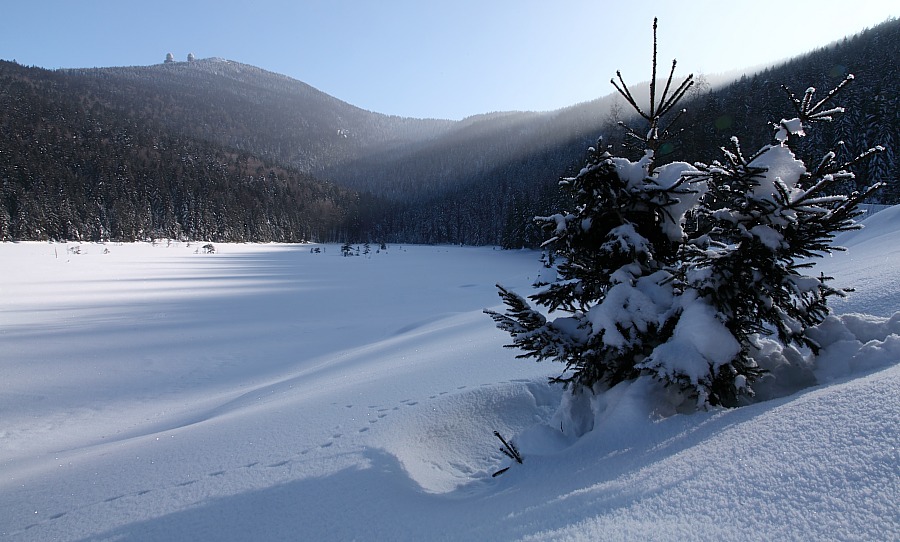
(509, 450)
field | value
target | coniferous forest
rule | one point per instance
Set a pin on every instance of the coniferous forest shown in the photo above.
(217, 150)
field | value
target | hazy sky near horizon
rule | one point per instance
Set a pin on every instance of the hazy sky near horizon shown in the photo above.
(441, 59)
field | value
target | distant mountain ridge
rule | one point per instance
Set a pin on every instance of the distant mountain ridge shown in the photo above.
(291, 123)
(474, 181)
(257, 111)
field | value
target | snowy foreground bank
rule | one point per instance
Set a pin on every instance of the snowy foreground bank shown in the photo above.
(268, 392)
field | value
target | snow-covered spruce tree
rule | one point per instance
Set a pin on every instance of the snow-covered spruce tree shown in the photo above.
(618, 258)
(763, 218)
(638, 294)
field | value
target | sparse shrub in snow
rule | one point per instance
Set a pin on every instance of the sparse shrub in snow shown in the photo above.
(681, 271)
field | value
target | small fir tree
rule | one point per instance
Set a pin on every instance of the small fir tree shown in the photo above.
(766, 216)
(672, 270)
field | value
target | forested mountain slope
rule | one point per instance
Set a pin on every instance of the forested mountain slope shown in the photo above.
(160, 147)
(246, 108)
(74, 166)
(872, 104)
(495, 205)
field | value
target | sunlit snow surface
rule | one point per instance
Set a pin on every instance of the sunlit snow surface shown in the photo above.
(267, 392)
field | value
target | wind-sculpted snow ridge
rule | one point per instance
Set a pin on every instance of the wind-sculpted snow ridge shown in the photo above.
(269, 392)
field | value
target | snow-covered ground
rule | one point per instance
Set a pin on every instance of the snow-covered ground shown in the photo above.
(268, 392)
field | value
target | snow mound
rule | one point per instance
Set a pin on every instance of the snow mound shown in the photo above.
(855, 344)
(450, 444)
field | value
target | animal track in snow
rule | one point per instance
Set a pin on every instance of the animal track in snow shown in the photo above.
(377, 413)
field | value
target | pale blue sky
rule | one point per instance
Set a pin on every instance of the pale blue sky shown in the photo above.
(444, 59)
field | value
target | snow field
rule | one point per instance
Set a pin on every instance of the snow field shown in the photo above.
(266, 392)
